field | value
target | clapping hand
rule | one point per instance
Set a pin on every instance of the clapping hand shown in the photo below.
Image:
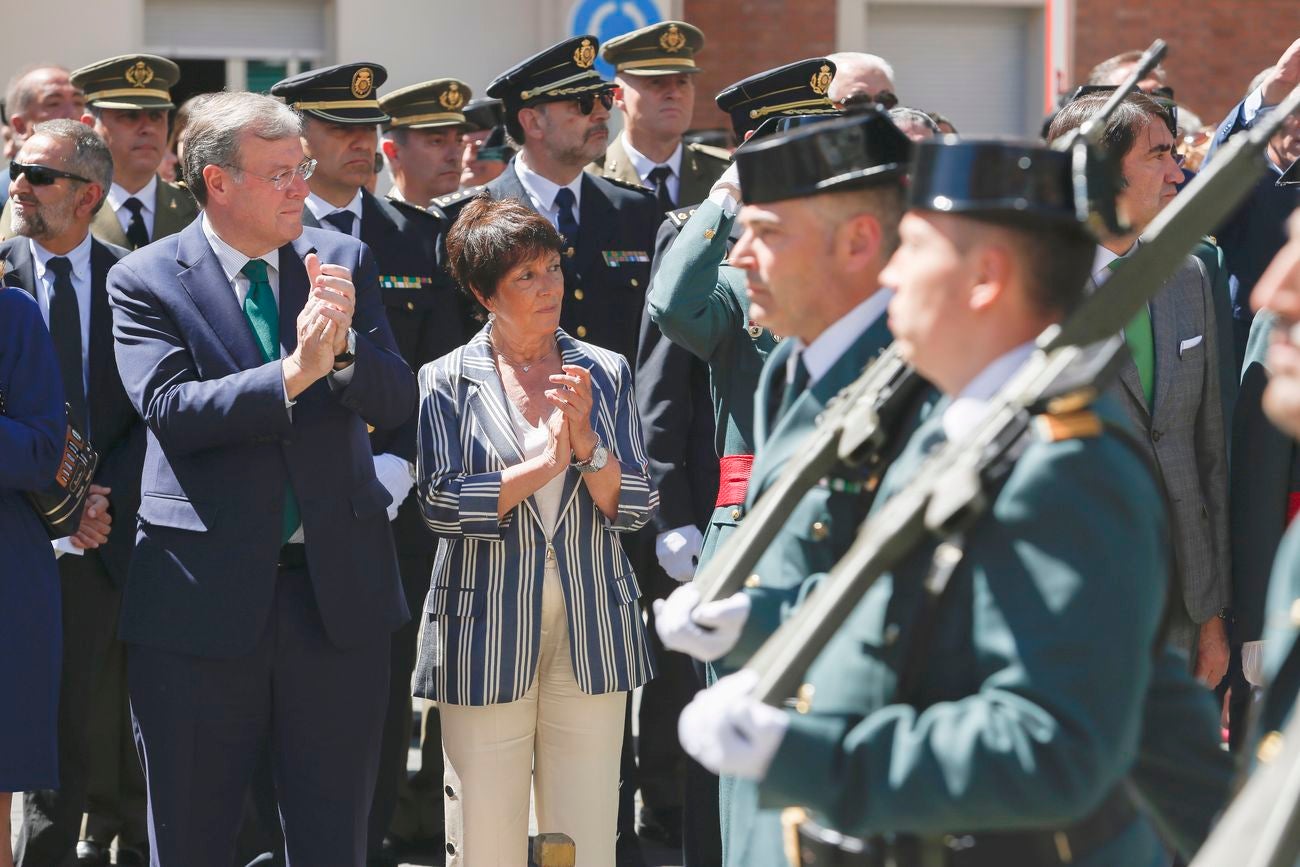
(558, 452)
(572, 395)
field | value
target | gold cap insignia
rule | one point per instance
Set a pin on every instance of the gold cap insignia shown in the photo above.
(672, 41)
(821, 80)
(140, 74)
(584, 55)
(452, 99)
(363, 82)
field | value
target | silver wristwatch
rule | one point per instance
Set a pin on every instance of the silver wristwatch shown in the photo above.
(595, 463)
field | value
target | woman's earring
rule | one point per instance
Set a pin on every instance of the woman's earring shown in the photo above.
(492, 317)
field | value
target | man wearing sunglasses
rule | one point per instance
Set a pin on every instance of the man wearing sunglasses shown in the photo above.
(862, 78)
(57, 184)
(557, 110)
(1170, 387)
(127, 101)
(341, 107)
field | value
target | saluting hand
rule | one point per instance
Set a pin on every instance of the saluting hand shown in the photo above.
(1284, 77)
(331, 285)
(572, 395)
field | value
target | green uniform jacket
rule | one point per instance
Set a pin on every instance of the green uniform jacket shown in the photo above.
(1030, 709)
(700, 304)
(701, 166)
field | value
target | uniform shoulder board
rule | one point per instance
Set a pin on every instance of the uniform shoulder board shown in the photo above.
(1078, 424)
(679, 217)
(628, 185)
(178, 185)
(459, 196)
(710, 151)
(415, 210)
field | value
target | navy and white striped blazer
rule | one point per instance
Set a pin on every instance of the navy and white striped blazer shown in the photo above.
(483, 614)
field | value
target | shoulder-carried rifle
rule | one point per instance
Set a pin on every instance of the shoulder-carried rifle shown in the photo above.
(859, 424)
(1073, 361)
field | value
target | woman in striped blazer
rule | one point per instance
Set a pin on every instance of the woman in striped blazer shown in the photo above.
(531, 465)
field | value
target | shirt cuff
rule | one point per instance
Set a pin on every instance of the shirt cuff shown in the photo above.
(288, 404)
(722, 197)
(1251, 106)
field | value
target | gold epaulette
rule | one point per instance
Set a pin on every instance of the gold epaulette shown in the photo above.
(1074, 425)
(459, 195)
(710, 151)
(679, 217)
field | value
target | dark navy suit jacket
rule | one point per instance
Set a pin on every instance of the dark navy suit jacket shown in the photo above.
(114, 429)
(222, 446)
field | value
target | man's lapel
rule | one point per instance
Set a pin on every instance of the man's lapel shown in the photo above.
(106, 228)
(617, 164)
(19, 266)
(597, 221)
(205, 281)
(508, 186)
(294, 288)
(103, 366)
(309, 219)
(171, 210)
(697, 179)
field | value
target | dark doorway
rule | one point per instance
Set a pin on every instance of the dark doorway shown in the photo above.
(199, 76)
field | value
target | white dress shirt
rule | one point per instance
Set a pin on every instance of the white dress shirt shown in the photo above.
(970, 406)
(320, 209)
(146, 195)
(643, 166)
(79, 256)
(541, 192)
(820, 355)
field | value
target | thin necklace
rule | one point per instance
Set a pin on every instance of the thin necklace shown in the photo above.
(524, 367)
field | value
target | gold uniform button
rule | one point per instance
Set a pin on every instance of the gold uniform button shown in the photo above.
(578, 295)
(370, 428)
(635, 283)
(890, 634)
(735, 514)
(582, 331)
(820, 531)
(410, 305)
(753, 581)
(804, 697)
(1269, 748)
(708, 234)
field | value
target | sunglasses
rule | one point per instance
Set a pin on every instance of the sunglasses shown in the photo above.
(587, 101)
(885, 99)
(41, 176)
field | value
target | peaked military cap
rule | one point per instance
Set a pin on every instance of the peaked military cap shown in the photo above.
(666, 48)
(429, 105)
(484, 112)
(560, 72)
(128, 82)
(796, 88)
(997, 179)
(345, 93)
(857, 150)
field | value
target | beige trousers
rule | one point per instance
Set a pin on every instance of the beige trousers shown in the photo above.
(568, 740)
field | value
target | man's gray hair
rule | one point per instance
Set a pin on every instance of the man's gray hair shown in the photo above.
(19, 93)
(91, 158)
(217, 124)
(1104, 72)
(849, 64)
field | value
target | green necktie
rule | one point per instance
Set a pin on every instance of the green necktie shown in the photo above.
(264, 319)
(1141, 345)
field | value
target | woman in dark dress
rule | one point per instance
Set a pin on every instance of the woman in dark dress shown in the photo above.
(31, 440)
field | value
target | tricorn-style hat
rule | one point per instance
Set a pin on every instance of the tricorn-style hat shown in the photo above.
(793, 89)
(345, 93)
(666, 48)
(429, 105)
(129, 82)
(857, 150)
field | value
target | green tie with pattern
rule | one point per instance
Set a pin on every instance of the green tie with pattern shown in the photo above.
(1141, 345)
(264, 319)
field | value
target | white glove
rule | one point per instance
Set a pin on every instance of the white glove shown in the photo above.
(395, 475)
(678, 551)
(705, 632)
(725, 192)
(728, 731)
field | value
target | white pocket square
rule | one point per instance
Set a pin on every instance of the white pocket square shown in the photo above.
(1189, 343)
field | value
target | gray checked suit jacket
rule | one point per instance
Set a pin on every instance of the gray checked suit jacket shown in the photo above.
(1184, 435)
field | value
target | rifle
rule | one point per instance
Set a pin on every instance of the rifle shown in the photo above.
(858, 425)
(1071, 363)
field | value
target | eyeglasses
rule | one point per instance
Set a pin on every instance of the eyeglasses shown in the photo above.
(41, 176)
(587, 101)
(280, 180)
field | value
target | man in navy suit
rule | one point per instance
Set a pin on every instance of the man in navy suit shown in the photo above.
(60, 177)
(264, 585)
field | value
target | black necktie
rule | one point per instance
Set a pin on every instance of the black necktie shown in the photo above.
(341, 220)
(136, 232)
(796, 386)
(65, 327)
(567, 223)
(659, 176)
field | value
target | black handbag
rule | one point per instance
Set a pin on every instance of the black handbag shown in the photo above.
(59, 504)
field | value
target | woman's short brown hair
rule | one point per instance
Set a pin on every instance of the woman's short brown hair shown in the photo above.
(492, 236)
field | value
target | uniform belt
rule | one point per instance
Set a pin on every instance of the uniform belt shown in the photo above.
(826, 848)
(293, 555)
(733, 479)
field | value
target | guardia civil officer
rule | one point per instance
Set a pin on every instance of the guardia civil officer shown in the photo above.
(989, 744)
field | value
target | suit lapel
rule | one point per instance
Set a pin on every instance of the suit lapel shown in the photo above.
(106, 228)
(209, 289)
(508, 186)
(770, 377)
(597, 219)
(294, 288)
(170, 215)
(309, 219)
(1164, 327)
(696, 180)
(1128, 375)
(20, 268)
(103, 366)
(618, 165)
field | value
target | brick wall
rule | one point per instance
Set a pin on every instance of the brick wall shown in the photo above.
(747, 36)
(1215, 46)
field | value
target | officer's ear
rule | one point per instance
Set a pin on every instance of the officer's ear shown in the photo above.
(389, 149)
(530, 120)
(858, 242)
(994, 268)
